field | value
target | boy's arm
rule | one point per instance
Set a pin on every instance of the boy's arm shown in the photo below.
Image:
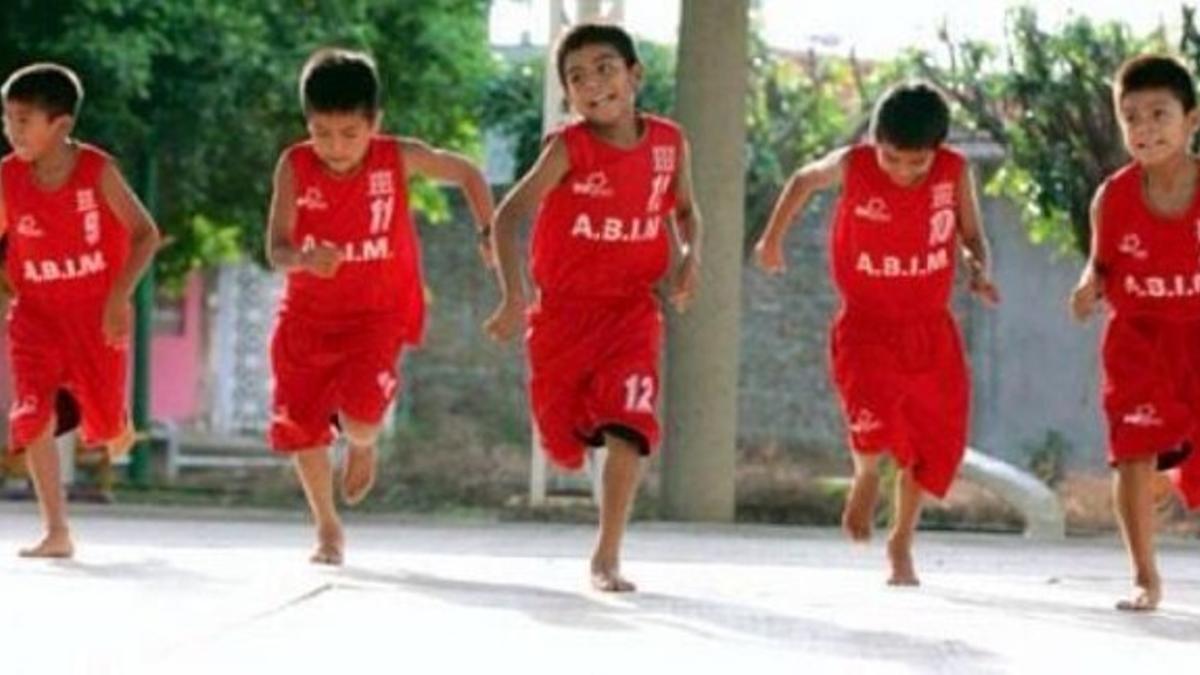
(974, 240)
(520, 201)
(454, 168)
(143, 242)
(823, 174)
(322, 260)
(1089, 291)
(690, 230)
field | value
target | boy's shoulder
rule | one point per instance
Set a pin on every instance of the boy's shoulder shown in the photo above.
(1121, 181)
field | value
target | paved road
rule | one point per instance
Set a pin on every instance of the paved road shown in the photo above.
(166, 591)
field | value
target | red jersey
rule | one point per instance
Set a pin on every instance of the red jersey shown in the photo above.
(603, 230)
(65, 246)
(1150, 263)
(893, 246)
(365, 215)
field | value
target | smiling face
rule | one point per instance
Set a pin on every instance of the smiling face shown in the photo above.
(905, 167)
(341, 139)
(600, 86)
(30, 130)
(1154, 125)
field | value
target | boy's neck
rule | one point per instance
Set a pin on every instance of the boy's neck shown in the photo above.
(56, 162)
(1171, 173)
(624, 132)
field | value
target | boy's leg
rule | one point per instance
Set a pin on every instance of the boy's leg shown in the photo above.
(859, 514)
(904, 526)
(41, 456)
(316, 476)
(1133, 498)
(621, 473)
(358, 475)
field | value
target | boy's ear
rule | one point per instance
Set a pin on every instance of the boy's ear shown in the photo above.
(64, 123)
(1193, 120)
(377, 123)
(636, 73)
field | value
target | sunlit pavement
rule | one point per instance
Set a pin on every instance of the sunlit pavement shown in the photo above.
(165, 591)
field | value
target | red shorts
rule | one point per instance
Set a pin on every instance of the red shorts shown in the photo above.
(593, 367)
(55, 350)
(904, 389)
(1151, 395)
(320, 369)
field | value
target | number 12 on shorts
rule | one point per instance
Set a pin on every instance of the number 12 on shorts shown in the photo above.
(639, 393)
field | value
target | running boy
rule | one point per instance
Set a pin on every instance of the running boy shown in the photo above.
(608, 190)
(340, 227)
(1145, 262)
(895, 351)
(77, 241)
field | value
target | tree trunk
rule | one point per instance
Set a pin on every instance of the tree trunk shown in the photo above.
(702, 345)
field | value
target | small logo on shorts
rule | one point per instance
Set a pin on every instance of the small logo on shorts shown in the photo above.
(387, 383)
(1145, 415)
(26, 406)
(864, 421)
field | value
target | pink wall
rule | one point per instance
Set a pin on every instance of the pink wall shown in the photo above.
(175, 356)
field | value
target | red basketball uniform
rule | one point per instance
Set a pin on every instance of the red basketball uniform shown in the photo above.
(1150, 265)
(895, 351)
(600, 245)
(337, 341)
(65, 248)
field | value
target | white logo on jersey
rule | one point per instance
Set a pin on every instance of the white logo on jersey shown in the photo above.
(594, 185)
(875, 210)
(1175, 286)
(892, 267)
(363, 250)
(27, 227)
(864, 422)
(85, 200)
(1145, 415)
(380, 183)
(664, 158)
(312, 199)
(941, 227)
(1131, 245)
(43, 271)
(617, 230)
(943, 195)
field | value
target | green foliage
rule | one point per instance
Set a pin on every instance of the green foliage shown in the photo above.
(1048, 100)
(206, 91)
(795, 112)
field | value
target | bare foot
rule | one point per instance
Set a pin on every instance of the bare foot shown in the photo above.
(859, 514)
(121, 445)
(1146, 596)
(56, 544)
(330, 543)
(606, 578)
(904, 573)
(358, 476)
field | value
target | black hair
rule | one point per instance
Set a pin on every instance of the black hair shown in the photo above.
(339, 81)
(51, 87)
(585, 34)
(911, 116)
(1155, 71)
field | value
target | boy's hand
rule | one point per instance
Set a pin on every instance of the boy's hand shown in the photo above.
(1084, 299)
(983, 287)
(116, 321)
(504, 324)
(768, 253)
(685, 283)
(322, 261)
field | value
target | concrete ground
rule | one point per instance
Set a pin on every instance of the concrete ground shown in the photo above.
(166, 591)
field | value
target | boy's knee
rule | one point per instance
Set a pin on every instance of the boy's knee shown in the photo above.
(360, 434)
